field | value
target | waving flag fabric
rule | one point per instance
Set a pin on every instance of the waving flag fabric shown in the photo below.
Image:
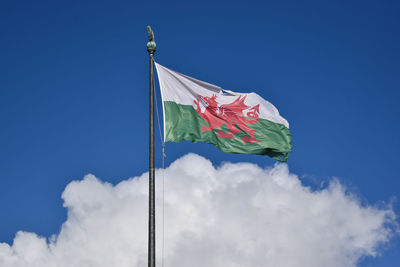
(233, 122)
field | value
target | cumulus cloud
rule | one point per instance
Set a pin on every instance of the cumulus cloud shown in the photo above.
(235, 215)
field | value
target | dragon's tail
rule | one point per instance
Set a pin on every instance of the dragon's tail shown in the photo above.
(253, 114)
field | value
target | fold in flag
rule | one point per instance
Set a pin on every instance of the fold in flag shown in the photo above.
(233, 122)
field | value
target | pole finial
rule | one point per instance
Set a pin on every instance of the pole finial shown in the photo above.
(151, 45)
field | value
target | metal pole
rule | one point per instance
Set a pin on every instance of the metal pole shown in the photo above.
(151, 48)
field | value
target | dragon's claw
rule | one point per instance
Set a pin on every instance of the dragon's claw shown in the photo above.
(222, 135)
(249, 140)
(204, 128)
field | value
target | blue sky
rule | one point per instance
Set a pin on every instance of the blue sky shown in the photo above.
(74, 92)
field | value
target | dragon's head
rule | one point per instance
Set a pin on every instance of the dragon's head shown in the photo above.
(210, 101)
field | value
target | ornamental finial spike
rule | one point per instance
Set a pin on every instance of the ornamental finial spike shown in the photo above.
(151, 45)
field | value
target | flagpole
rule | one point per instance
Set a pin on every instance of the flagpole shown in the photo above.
(151, 48)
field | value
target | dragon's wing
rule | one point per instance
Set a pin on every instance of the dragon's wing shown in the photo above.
(236, 107)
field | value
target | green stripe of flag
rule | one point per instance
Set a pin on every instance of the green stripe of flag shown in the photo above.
(183, 123)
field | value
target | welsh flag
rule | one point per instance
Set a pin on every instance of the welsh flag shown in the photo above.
(233, 122)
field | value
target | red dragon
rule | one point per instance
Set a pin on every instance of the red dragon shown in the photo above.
(229, 114)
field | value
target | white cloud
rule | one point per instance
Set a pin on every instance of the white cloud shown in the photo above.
(234, 215)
